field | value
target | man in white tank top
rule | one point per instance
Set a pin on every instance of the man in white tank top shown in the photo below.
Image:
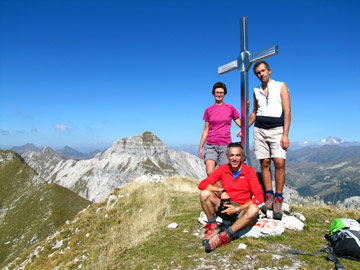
(272, 116)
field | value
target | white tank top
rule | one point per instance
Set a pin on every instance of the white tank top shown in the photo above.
(270, 110)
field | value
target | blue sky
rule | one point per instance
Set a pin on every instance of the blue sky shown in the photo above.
(88, 73)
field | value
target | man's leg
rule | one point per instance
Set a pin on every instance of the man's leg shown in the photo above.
(245, 219)
(266, 175)
(279, 164)
(209, 202)
(266, 172)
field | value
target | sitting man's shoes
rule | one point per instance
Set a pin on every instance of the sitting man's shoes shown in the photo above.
(277, 214)
(269, 199)
(210, 230)
(216, 241)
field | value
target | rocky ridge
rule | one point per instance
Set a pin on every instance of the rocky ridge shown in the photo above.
(30, 209)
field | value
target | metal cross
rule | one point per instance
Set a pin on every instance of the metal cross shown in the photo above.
(243, 63)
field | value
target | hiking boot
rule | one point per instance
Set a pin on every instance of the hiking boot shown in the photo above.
(210, 231)
(277, 214)
(269, 199)
(218, 240)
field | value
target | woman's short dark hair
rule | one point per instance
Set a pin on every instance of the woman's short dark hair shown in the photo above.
(219, 85)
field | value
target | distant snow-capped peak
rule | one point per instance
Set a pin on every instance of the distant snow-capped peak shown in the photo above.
(332, 140)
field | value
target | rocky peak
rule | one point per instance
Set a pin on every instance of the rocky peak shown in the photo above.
(145, 145)
(48, 150)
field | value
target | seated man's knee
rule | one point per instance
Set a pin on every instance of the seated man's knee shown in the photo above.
(205, 194)
(253, 210)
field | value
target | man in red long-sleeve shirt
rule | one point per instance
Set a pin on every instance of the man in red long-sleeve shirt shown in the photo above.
(240, 185)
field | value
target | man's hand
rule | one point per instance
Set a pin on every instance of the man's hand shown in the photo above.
(230, 209)
(285, 142)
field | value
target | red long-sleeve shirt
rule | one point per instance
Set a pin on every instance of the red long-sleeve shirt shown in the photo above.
(244, 188)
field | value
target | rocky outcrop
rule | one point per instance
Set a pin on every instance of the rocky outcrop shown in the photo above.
(352, 202)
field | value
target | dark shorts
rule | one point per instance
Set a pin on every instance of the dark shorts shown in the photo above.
(216, 153)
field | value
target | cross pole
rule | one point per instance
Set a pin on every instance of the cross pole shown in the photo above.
(243, 64)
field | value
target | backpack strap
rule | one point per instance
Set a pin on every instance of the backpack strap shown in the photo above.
(298, 252)
(332, 257)
(325, 249)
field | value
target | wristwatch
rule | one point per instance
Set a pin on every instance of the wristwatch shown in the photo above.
(221, 192)
(237, 210)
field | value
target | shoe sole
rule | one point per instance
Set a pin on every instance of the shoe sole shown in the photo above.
(207, 246)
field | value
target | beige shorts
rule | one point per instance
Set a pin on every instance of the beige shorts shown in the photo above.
(267, 143)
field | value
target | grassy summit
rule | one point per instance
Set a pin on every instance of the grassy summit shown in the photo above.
(129, 231)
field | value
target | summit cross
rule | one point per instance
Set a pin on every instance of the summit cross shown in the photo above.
(243, 63)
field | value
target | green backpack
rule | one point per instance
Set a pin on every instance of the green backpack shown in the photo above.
(343, 242)
(344, 238)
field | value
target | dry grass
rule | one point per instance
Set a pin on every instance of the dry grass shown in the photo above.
(182, 184)
(143, 213)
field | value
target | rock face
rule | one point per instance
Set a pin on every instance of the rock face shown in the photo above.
(127, 159)
(352, 202)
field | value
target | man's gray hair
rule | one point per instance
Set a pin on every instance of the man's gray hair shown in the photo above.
(233, 145)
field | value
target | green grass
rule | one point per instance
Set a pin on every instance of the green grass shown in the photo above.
(134, 235)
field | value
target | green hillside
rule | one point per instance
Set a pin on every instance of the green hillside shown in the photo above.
(30, 209)
(130, 231)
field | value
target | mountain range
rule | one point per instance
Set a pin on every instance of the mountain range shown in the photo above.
(66, 151)
(332, 140)
(127, 159)
(327, 169)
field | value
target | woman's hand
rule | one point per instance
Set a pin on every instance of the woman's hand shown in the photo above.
(200, 154)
